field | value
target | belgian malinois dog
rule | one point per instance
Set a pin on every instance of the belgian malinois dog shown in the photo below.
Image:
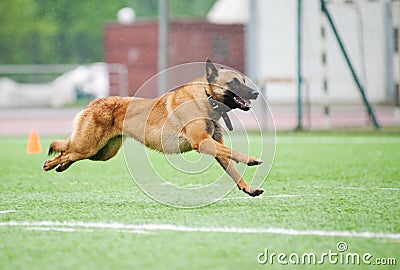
(181, 120)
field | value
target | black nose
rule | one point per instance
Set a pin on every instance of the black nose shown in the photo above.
(254, 94)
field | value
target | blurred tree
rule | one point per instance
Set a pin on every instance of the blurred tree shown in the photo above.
(189, 8)
(177, 8)
(17, 21)
(71, 31)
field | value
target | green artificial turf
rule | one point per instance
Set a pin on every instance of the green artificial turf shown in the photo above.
(322, 182)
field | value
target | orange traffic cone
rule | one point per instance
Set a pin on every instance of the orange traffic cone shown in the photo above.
(34, 146)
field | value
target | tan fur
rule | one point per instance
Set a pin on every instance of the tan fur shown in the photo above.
(179, 121)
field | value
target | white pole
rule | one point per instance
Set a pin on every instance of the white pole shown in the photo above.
(325, 80)
(251, 41)
(162, 46)
(389, 54)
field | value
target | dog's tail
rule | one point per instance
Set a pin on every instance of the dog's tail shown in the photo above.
(57, 147)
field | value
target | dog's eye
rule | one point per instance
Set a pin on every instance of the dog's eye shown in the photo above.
(244, 80)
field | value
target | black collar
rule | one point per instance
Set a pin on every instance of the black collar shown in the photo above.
(221, 111)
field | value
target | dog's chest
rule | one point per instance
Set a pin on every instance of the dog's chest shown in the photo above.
(168, 142)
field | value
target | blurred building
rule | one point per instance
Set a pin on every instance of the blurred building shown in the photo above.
(136, 46)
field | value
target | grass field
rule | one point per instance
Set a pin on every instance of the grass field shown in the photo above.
(323, 189)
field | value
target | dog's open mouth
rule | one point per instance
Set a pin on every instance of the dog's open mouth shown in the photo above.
(244, 104)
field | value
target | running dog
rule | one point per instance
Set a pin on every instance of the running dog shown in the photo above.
(182, 120)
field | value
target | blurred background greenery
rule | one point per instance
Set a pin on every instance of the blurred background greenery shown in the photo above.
(71, 31)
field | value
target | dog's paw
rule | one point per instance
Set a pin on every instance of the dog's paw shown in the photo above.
(46, 166)
(59, 168)
(254, 161)
(254, 192)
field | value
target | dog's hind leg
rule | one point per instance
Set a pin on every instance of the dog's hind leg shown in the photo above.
(98, 150)
(72, 154)
(58, 146)
(108, 151)
(52, 163)
(62, 161)
(63, 166)
(96, 135)
(65, 159)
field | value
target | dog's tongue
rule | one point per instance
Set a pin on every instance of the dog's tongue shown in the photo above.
(242, 102)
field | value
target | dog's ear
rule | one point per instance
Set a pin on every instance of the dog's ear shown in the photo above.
(211, 71)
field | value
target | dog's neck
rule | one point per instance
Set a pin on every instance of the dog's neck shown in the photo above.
(221, 110)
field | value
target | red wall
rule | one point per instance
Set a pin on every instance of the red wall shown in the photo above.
(136, 46)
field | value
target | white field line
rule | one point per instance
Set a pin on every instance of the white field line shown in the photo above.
(308, 195)
(359, 188)
(7, 211)
(290, 195)
(178, 228)
(324, 140)
(135, 231)
(334, 140)
(69, 229)
(270, 196)
(58, 229)
(371, 188)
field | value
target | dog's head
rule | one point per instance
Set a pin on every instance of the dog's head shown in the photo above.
(229, 87)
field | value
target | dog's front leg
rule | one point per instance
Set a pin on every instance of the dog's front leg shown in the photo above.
(230, 168)
(204, 143)
(212, 147)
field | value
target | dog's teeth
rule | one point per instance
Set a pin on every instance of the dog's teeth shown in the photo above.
(242, 102)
